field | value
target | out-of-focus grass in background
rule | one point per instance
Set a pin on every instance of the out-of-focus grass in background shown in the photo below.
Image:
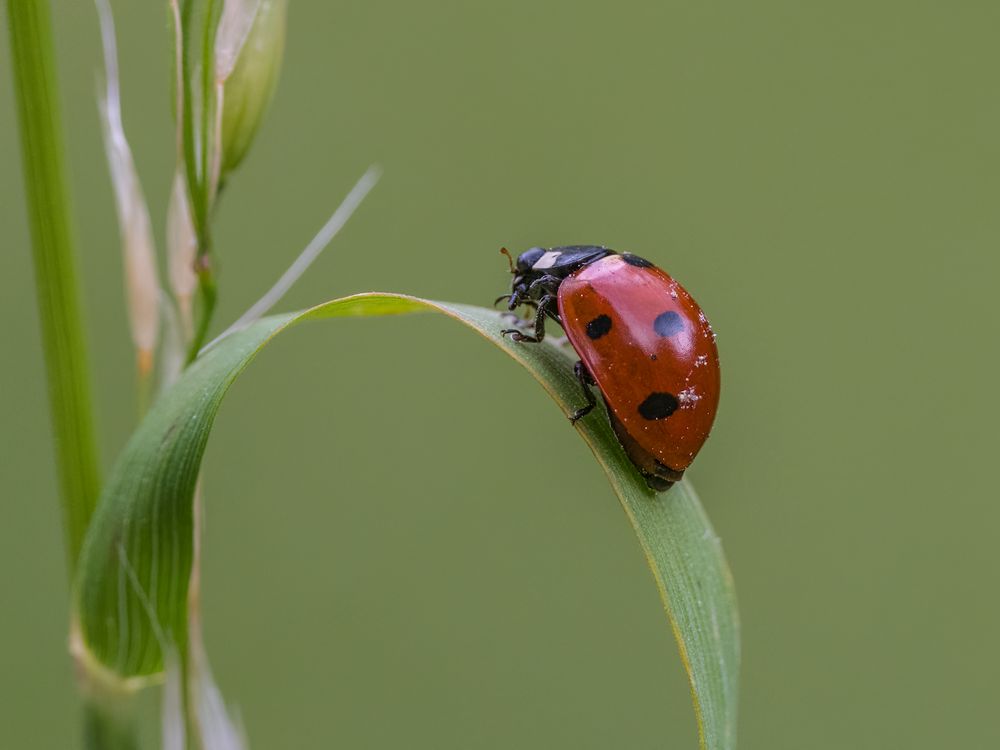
(824, 178)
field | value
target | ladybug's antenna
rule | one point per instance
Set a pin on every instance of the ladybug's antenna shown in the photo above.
(510, 260)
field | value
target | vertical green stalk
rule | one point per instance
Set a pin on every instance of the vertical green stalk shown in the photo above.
(33, 64)
(208, 295)
(198, 148)
(106, 728)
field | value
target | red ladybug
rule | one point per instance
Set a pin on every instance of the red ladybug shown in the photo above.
(642, 340)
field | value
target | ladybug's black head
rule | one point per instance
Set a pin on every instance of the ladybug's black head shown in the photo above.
(524, 273)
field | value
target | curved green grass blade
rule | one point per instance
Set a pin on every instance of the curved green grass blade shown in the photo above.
(131, 591)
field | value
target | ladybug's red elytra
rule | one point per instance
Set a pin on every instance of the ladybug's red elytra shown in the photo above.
(641, 339)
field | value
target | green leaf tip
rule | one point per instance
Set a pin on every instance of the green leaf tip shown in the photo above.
(132, 585)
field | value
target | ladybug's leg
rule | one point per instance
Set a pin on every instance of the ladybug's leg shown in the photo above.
(545, 307)
(548, 282)
(520, 300)
(586, 380)
(518, 295)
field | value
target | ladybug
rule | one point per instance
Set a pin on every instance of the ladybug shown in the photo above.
(642, 340)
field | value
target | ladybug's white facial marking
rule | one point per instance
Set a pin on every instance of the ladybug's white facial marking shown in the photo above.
(547, 260)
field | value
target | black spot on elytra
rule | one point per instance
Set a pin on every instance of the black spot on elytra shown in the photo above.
(658, 406)
(652, 357)
(635, 260)
(668, 323)
(598, 326)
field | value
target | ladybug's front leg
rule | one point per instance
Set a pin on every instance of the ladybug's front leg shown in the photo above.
(546, 306)
(586, 380)
(548, 283)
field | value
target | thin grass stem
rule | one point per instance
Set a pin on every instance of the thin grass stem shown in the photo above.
(311, 252)
(49, 216)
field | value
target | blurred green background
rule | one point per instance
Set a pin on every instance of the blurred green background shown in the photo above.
(407, 545)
